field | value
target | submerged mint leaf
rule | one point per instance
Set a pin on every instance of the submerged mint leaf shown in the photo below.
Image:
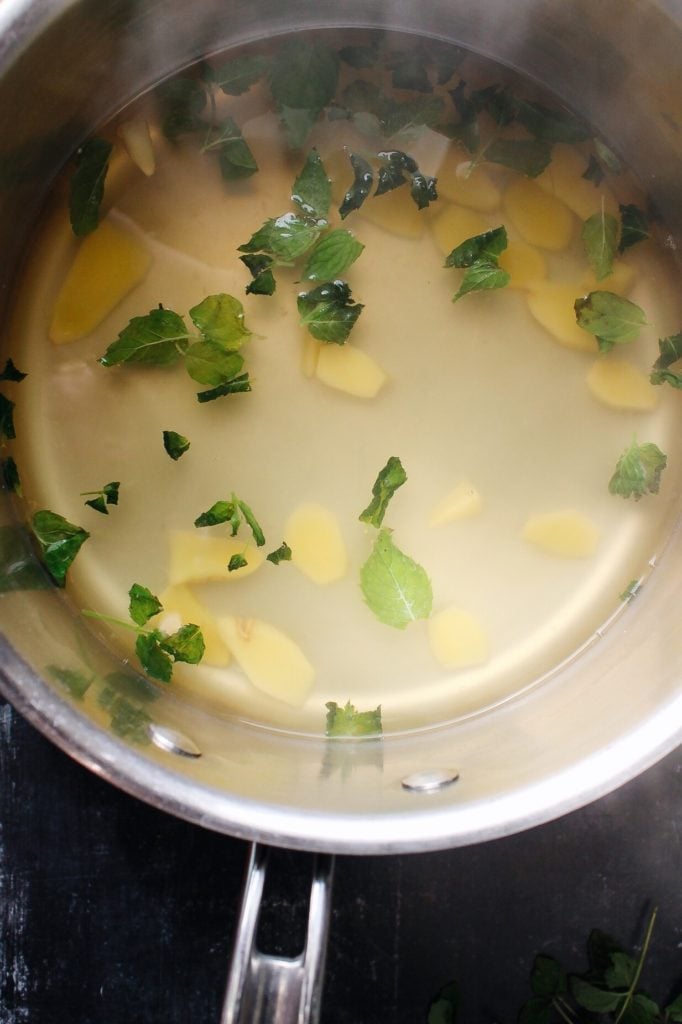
(77, 683)
(634, 226)
(497, 101)
(610, 318)
(423, 190)
(548, 977)
(10, 475)
(251, 522)
(143, 605)
(153, 658)
(59, 542)
(283, 238)
(389, 479)
(7, 431)
(420, 112)
(348, 721)
(303, 77)
(600, 238)
(361, 187)
(157, 339)
(236, 76)
(182, 99)
(593, 171)
(528, 156)
(332, 255)
(86, 187)
(263, 284)
(10, 372)
(397, 590)
(409, 69)
(237, 561)
(107, 495)
(186, 644)
(487, 246)
(312, 189)
(231, 387)
(329, 312)
(175, 444)
(360, 56)
(209, 363)
(234, 155)
(670, 350)
(638, 471)
(482, 276)
(467, 131)
(280, 554)
(220, 319)
(551, 125)
(219, 512)
(593, 998)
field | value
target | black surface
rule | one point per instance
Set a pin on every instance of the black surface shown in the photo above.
(113, 913)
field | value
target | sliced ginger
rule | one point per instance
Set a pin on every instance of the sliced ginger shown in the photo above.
(524, 263)
(317, 548)
(539, 217)
(621, 385)
(458, 183)
(137, 140)
(563, 178)
(454, 225)
(568, 534)
(196, 557)
(457, 638)
(108, 264)
(461, 502)
(349, 369)
(552, 304)
(270, 659)
(180, 606)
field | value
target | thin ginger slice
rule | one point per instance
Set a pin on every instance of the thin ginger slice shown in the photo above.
(568, 534)
(457, 638)
(524, 263)
(270, 659)
(349, 369)
(540, 218)
(552, 303)
(196, 557)
(621, 385)
(454, 225)
(180, 606)
(461, 502)
(563, 178)
(317, 547)
(460, 184)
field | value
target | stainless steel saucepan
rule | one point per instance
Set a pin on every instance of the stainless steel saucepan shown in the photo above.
(68, 65)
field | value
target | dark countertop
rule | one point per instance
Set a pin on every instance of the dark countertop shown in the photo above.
(114, 913)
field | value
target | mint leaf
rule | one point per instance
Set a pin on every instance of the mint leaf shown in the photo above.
(622, 972)
(361, 187)
(280, 554)
(443, 1009)
(329, 312)
(670, 351)
(143, 604)
(312, 189)
(528, 156)
(611, 319)
(638, 471)
(11, 373)
(332, 255)
(7, 431)
(303, 77)
(634, 226)
(497, 101)
(360, 56)
(593, 998)
(593, 171)
(673, 1011)
(86, 187)
(262, 284)
(153, 658)
(251, 522)
(182, 101)
(467, 130)
(220, 319)
(158, 339)
(551, 125)
(409, 69)
(234, 155)
(600, 238)
(236, 76)
(220, 512)
(482, 276)
(347, 721)
(72, 680)
(186, 644)
(209, 363)
(107, 495)
(231, 387)
(421, 112)
(548, 977)
(236, 562)
(175, 444)
(423, 190)
(485, 247)
(9, 474)
(284, 238)
(59, 542)
(390, 478)
(397, 590)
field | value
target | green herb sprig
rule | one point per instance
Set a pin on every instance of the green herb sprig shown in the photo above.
(479, 256)
(59, 542)
(612, 319)
(102, 498)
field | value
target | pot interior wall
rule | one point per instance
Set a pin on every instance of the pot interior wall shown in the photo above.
(67, 67)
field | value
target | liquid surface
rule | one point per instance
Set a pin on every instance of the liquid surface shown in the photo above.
(478, 393)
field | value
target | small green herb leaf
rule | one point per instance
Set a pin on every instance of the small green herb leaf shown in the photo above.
(158, 339)
(219, 512)
(482, 276)
(443, 1009)
(486, 247)
(182, 101)
(252, 523)
(234, 155)
(409, 69)
(231, 387)
(59, 542)
(638, 471)
(237, 561)
(423, 190)
(347, 721)
(390, 478)
(236, 76)
(10, 475)
(303, 77)
(610, 318)
(209, 363)
(332, 255)
(7, 431)
(361, 187)
(598, 1000)
(548, 978)
(220, 318)
(86, 187)
(593, 171)
(280, 554)
(153, 658)
(329, 312)
(284, 238)
(11, 373)
(634, 226)
(262, 284)
(551, 125)
(72, 680)
(175, 444)
(143, 604)
(312, 188)
(670, 351)
(397, 590)
(186, 644)
(673, 1011)
(600, 238)
(107, 495)
(528, 156)
(622, 972)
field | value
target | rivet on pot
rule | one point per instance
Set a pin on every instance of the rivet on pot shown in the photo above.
(430, 780)
(173, 741)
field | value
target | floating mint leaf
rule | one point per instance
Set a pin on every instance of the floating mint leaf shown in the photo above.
(312, 188)
(175, 444)
(280, 554)
(670, 350)
(332, 256)
(397, 590)
(487, 247)
(7, 431)
(634, 226)
(361, 187)
(86, 188)
(638, 471)
(59, 542)
(220, 319)
(143, 605)
(389, 479)
(10, 372)
(600, 238)
(329, 312)
(610, 318)
(236, 76)
(158, 339)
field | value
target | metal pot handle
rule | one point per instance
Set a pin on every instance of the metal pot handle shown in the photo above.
(264, 989)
